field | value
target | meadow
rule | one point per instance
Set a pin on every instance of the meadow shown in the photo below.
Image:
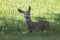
(13, 25)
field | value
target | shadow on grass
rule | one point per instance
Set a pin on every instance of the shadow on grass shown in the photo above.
(57, 22)
(11, 25)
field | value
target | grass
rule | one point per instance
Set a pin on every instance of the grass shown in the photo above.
(13, 26)
(21, 36)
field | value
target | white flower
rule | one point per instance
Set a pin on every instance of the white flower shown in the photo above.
(23, 32)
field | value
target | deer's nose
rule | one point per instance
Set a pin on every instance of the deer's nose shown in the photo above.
(26, 17)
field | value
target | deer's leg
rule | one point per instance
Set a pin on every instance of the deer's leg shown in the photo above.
(30, 30)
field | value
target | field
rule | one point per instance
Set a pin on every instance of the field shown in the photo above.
(13, 25)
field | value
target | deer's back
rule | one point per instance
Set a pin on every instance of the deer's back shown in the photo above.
(41, 25)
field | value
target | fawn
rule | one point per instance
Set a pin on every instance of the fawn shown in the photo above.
(36, 26)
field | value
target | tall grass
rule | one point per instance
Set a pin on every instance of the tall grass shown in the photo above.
(13, 23)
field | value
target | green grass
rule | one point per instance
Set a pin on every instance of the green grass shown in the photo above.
(13, 26)
(21, 36)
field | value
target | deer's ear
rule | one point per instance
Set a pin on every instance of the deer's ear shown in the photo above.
(21, 11)
(29, 8)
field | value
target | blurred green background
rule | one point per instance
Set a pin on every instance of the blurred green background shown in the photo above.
(12, 23)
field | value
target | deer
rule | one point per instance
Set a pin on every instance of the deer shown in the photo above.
(36, 26)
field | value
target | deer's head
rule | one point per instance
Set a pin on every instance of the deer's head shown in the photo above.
(26, 13)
